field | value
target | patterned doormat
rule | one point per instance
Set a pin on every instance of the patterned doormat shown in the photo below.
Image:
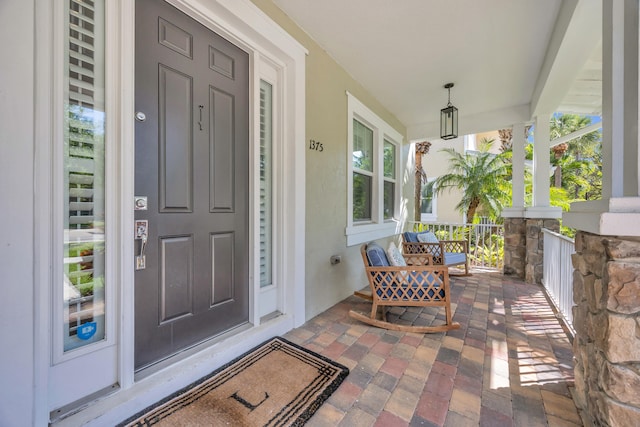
(276, 384)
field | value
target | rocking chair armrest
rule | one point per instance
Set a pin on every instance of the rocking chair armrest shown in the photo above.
(421, 248)
(409, 283)
(432, 268)
(416, 259)
(460, 246)
(401, 275)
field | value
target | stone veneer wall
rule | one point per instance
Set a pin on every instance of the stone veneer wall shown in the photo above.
(535, 247)
(515, 246)
(606, 317)
(524, 247)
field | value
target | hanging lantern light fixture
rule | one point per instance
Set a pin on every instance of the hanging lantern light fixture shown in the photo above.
(449, 118)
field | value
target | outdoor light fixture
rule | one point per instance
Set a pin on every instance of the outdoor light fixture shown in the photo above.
(449, 118)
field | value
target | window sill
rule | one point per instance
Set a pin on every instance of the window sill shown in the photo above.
(358, 234)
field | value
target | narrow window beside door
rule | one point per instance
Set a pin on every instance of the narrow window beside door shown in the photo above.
(83, 290)
(266, 193)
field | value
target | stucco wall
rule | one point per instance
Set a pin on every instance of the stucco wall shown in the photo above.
(435, 164)
(326, 202)
(16, 217)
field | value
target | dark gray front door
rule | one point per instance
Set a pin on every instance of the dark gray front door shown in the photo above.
(192, 165)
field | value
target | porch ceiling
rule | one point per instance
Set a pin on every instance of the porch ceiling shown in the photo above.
(509, 59)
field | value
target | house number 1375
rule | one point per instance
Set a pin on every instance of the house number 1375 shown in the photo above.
(315, 145)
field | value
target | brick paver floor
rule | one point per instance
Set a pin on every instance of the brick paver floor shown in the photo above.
(509, 364)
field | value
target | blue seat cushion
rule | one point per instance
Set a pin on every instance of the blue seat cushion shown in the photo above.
(377, 256)
(452, 258)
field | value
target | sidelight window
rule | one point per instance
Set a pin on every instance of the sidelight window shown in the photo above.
(266, 191)
(83, 288)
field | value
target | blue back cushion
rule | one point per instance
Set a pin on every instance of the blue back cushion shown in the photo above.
(410, 237)
(377, 256)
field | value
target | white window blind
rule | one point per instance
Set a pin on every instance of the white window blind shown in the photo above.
(266, 193)
(83, 290)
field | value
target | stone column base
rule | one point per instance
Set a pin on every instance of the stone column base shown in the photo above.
(515, 248)
(606, 291)
(534, 265)
(524, 247)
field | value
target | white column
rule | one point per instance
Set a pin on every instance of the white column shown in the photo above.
(518, 141)
(620, 99)
(518, 158)
(618, 213)
(541, 172)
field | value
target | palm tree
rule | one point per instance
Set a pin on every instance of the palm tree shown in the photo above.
(506, 137)
(583, 147)
(573, 160)
(422, 148)
(558, 153)
(482, 178)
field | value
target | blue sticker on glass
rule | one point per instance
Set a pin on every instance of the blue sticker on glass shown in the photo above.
(87, 330)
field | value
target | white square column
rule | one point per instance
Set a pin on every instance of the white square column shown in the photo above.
(541, 163)
(542, 172)
(618, 213)
(518, 142)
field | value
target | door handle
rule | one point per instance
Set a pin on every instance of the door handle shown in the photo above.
(142, 229)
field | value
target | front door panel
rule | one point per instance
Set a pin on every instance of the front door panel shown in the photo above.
(192, 165)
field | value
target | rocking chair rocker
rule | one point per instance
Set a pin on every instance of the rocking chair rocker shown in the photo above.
(420, 284)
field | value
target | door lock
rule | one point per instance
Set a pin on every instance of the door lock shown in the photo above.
(141, 233)
(140, 203)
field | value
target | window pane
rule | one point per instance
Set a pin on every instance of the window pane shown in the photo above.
(362, 146)
(389, 159)
(361, 197)
(389, 197)
(266, 163)
(426, 201)
(84, 202)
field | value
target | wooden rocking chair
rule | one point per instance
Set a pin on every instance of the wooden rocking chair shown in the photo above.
(444, 252)
(420, 284)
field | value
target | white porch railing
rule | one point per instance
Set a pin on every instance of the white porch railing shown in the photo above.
(486, 241)
(557, 275)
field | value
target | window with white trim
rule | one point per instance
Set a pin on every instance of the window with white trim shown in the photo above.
(373, 186)
(428, 203)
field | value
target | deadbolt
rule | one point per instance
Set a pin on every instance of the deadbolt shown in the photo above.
(140, 203)
(140, 116)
